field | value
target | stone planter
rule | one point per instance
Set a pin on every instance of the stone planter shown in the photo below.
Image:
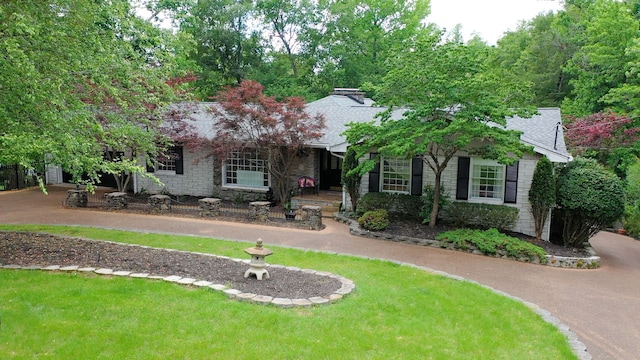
(116, 200)
(76, 198)
(259, 211)
(209, 207)
(312, 217)
(159, 204)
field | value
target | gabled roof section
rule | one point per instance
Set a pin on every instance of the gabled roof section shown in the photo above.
(544, 132)
(338, 111)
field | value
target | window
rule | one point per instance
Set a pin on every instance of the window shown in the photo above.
(171, 163)
(487, 180)
(246, 169)
(396, 175)
(167, 163)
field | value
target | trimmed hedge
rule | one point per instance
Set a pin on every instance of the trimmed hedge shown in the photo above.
(374, 220)
(401, 205)
(484, 216)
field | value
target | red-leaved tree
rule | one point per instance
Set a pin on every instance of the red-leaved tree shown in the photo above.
(609, 137)
(248, 119)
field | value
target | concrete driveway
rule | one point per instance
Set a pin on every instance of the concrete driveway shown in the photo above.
(601, 306)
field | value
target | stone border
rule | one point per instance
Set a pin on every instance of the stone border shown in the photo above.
(591, 262)
(347, 285)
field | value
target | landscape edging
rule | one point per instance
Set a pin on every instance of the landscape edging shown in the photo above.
(591, 262)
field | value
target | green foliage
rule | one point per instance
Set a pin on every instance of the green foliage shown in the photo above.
(452, 93)
(492, 242)
(375, 200)
(631, 220)
(407, 206)
(351, 179)
(398, 205)
(478, 215)
(375, 220)
(590, 198)
(428, 197)
(78, 78)
(632, 189)
(542, 194)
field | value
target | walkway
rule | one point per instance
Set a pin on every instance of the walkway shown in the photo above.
(601, 306)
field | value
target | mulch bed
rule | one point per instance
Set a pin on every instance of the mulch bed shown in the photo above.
(423, 231)
(27, 249)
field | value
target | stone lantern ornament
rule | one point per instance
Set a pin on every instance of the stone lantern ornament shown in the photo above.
(258, 253)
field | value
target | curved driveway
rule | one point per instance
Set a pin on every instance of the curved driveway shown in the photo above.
(601, 306)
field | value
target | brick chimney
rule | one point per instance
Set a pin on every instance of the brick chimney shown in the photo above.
(353, 94)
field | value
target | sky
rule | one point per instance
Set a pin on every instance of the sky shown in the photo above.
(488, 18)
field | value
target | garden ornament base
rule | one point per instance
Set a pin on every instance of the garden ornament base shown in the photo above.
(258, 253)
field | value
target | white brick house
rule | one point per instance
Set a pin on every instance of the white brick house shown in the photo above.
(192, 173)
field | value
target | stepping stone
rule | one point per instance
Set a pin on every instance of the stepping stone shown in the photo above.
(121, 273)
(139, 275)
(69, 268)
(104, 271)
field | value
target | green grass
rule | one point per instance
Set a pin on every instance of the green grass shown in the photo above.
(396, 312)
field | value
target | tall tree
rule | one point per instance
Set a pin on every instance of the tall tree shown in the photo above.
(227, 46)
(537, 52)
(71, 73)
(359, 36)
(602, 61)
(454, 98)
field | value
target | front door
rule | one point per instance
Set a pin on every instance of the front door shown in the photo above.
(330, 171)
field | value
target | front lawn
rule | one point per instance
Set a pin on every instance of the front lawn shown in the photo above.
(396, 312)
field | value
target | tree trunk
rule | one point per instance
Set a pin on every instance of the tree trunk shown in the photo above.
(436, 200)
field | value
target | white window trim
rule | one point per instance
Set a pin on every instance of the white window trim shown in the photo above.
(165, 172)
(382, 172)
(485, 200)
(225, 185)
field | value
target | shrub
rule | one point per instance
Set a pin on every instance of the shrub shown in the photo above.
(542, 195)
(351, 179)
(484, 216)
(590, 198)
(375, 220)
(632, 220)
(427, 201)
(374, 201)
(399, 205)
(407, 206)
(491, 242)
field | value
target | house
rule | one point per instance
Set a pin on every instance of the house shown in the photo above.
(245, 176)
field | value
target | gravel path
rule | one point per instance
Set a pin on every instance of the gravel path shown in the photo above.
(26, 249)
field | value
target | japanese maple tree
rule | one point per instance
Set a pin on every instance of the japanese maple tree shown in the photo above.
(610, 137)
(248, 119)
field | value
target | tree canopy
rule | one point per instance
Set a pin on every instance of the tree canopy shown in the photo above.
(455, 103)
(79, 78)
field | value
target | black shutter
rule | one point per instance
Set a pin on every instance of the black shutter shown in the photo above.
(374, 176)
(416, 176)
(177, 151)
(462, 184)
(150, 163)
(511, 184)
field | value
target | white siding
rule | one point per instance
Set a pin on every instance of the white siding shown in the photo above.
(526, 168)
